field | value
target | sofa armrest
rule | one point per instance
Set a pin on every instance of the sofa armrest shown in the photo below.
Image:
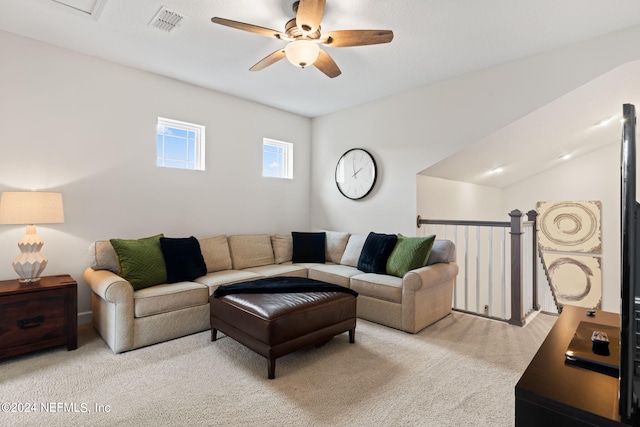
(109, 286)
(429, 276)
(427, 295)
(112, 304)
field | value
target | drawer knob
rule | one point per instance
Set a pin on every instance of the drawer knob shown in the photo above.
(32, 322)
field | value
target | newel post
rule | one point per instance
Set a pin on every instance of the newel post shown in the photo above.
(516, 268)
(532, 216)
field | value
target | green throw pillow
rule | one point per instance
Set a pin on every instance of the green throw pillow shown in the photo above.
(141, 261)
(409, 253)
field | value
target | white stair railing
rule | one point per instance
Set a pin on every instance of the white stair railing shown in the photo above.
(497, 265)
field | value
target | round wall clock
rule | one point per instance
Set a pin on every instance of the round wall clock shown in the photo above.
(356, 173)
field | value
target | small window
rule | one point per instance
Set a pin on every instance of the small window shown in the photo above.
(277, 159)
(179, 145)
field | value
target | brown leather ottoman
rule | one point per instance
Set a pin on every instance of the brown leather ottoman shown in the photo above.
(276, 323)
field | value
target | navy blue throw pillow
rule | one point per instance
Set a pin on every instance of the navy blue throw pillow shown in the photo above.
(183, 259)
(308, 247)
(375, 252)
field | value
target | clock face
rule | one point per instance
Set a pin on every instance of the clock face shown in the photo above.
(356, 173)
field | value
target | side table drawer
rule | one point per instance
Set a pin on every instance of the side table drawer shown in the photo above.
(29, 318)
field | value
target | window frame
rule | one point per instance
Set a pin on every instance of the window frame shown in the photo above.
(287, 157)
(199, 146)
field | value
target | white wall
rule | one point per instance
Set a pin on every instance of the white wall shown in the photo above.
(409, 132)
(86, 128)
(439, 198)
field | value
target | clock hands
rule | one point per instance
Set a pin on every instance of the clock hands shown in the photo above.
(357, 171)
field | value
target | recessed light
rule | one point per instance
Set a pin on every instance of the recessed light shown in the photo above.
(565, 157)
(497, 169)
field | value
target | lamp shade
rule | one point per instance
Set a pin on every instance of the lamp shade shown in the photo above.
(302, 53)
(31, 207)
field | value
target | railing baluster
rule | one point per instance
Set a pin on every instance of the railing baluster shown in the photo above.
(466, 267)
(478, 269)
(455, 243)
(490, 273)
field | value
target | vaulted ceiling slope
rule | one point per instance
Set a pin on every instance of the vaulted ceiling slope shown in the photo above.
(433, 40)
(581, 121)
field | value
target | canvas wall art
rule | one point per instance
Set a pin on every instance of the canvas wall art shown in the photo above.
(570, 246)
(570, 226)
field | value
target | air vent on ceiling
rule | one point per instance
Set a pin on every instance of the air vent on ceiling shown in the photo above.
(166, 20)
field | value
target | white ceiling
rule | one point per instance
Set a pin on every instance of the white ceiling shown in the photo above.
(577, 123)
(434, 40)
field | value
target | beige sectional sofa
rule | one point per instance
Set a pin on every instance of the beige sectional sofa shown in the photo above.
(128, 319)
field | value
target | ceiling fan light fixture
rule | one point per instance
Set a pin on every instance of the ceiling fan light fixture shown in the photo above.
(302, 53)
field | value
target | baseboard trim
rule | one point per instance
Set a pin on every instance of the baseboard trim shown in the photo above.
(85, 317)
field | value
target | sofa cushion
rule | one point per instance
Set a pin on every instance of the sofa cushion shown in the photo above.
(102, 256)
(215, 251)
(376, 251)
(183, 258)
(250, 250)
(442, 251)
(410, 253)
(169, 297)
(335, 245)
(282, 247)
(141, 261)
(309, 247)
(352, 251)
(287, 269)
(379, 286)
(226, 277)
(333, 273)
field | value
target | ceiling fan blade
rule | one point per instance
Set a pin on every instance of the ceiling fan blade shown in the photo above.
(345, 38)
(268, 60)
(250, 28)
(327, 65)
(309, 15)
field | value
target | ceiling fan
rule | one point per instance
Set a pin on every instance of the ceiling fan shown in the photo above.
(303, 33)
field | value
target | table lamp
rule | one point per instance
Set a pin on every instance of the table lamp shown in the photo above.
(30, 208)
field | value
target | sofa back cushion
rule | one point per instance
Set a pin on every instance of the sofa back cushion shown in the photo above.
(335, 245)
(251, 250)
(102, 256)
(282, 247)
(442, 251)
(215, 251)
(352, 251)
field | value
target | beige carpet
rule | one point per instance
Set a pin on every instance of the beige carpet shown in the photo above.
(461, 371)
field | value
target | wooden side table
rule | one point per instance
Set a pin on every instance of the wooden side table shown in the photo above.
(35, 316)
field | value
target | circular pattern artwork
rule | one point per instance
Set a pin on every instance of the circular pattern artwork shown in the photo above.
(570, 226)
(574, 279)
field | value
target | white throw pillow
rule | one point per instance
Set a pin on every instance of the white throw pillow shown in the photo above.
(352, 251)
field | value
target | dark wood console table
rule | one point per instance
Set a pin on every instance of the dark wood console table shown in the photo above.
(552, 393)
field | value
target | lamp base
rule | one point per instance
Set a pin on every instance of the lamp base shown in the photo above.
(30, 263)
(27, 281)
